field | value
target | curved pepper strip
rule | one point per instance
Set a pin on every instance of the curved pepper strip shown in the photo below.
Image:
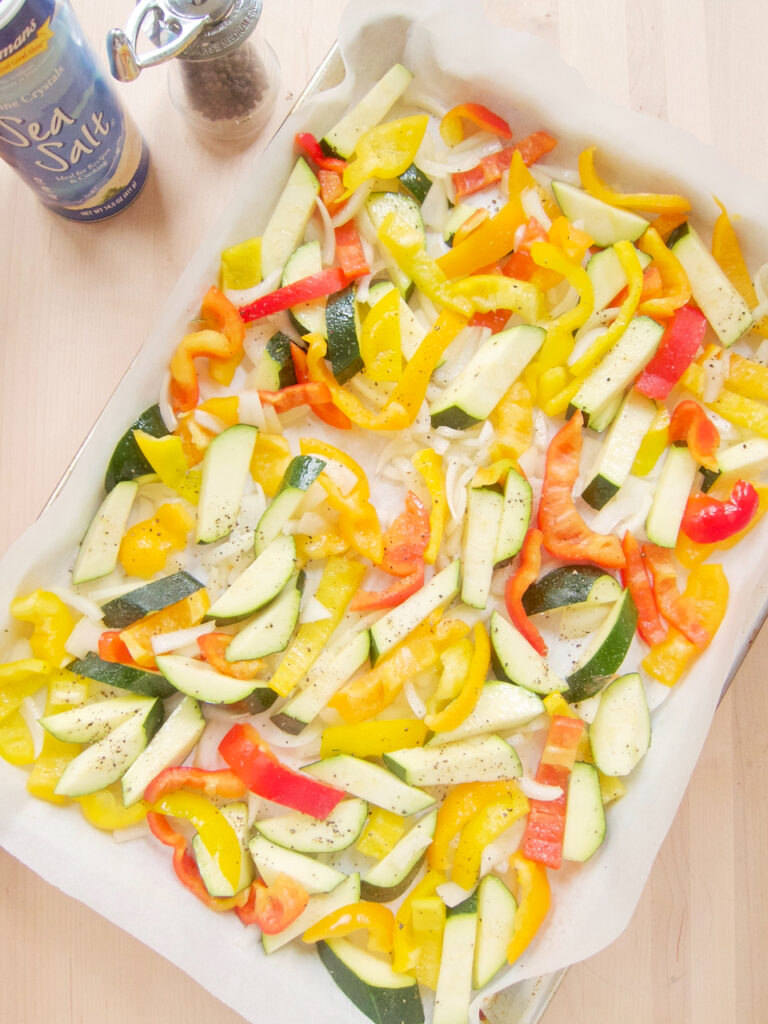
(677, 287)
(51, 622)
(727, 252)
(186, 868)
(472, 223)
(218, 312)
(316, 286)
(430, 465)
(213, 649)
(146, 545)
(517, 584)
(566, 535)
(491, 167)
(220, 340)
(604, 342)
(690, 554)
(454, 669)
(252, 761)
(295, 395)
(104, 809)
(464, 703)
(384, 151)
(707, 520)
(166, 456)
(375, 918)
(512, 420)
(533, 902)
(273, 907)
(371, 693)
(19, 680)
(216, 833)
(571, 240)
(325, 410)
(634, 576)
(707, 589)
(487, 292)
(691, 424)
(308, 144)
(414, 954)
(391, 596)
(676, 608)
(407, 398)
(653, 444)
(452, 123)
(485, 825)
(459, 806)
(651, 201)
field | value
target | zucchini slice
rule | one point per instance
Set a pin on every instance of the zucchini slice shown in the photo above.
(475, 759)
(366, 114)
(606, 224)
(138, 681)
(500, 706)
(151, 597)
(391, 876)
(175, 739)
(91, 722)
(620, 734)
(275, 369)
(605, 653)
(210, 872)
(454, 981)
(306, 317)
(415, 181)
(343, 327)
(370, 782)
(566, 585)
(226, 467)
(515, 517)
(259, 583)
(127, 461)
(369, 982)
(285, 228)
(305, 834)
(585, 815)
(271, 629)
(516, 660)
(671, 496)
(485, 509)
(272, 860)
(618, 451)
(99, 549)
(496, 909)
(197, 679)
(300, 473)
(607, 275)
(393, 627)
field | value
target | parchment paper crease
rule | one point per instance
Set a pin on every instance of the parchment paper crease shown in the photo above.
(457, 55)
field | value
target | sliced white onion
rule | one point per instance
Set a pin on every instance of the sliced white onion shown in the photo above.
(29, 712)
(355, 204)
(209, 422)
(415, 703)
(167, 414)
(434, 209)
(250, 409)
(533, 207)
(328, 245)
(539, 790)
(496, 854)
(79, 603)
(452, 894)
(716, 368)
(313, 610)
(126, 835)
(241, 297)
(84, 637)
(164, 642)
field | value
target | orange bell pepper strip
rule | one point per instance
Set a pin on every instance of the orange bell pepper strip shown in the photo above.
(727, 252)
(707, 589)
(112, 648)
(376, 918)
(533, 902)
(406, 540)
(543, 839)
(517, 584)
(677, 609)
(137, 637)
(464, 703)
(331, 190)
(325, 409)
(273, 907)
(635, 576)
(213, 647)
(691, 424)
(472, 223)
(218, 312)
(651, 201)
(566, 535)
(490, 242)
(221, 339)
(677, 287)
(452, 125)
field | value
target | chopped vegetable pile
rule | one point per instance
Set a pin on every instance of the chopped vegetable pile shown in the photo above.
(371, 622)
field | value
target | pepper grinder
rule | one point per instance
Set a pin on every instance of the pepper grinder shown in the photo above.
(226, 76)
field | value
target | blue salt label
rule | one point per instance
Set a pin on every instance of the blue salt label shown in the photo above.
(61, 126)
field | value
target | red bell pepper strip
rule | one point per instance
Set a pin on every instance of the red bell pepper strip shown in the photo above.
(316, 286)
(349, 251)
(325, 410)
(331, 190)
(707, 520)
(309, 145)
(635, 576)
(566, 535)
(406, 540)
(490, 169)
(372, 600)
(689, 423)
(294, 395)
(253, 762)
(452, 124)
(543, 839)
(496, 319)
(532, 232)
(273, 907)
(213, 647)
(112, 648)
(222, 783)
(676, 608)
(519, 264)
(678, 347)
(517, 584)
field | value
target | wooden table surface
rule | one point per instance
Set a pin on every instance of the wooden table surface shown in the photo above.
(76, 302)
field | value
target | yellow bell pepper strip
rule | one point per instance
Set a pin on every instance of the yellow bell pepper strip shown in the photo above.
(407, 398)
(571, 240)
(654, 202)
(486, 292)
(382, 830)
(605, 341)
(374, 691)
(485, 825)
(384, 151)
(452, 126)
(271, 455)
(455, 661)
(145, 546)
(459, 806)
(707, 587)
(428, 915)
(727, 252)
(462, 705)
(104, 809)
(18, 680)
(375, 918)
(241, 265)
(677, 287)
(412, 954)
(747, 377)
(533, 902)
(493, 475)
(223, 407)
(216, 833)
(51, 622)
(372, 739)
(358, 520)
(430, 466)
(319, 546)
(50, 763)
(512, 421)
(16, 744)
(407, 247)
(189, 611)
(380, 341)
(166, 456)
(543, 839)
(341, 578)
(652, 445)
(737, 409)
(213, 648)
(689, 553)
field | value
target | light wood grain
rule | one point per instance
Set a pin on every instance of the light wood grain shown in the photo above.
(77, 301)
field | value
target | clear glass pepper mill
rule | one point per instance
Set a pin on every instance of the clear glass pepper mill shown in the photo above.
(226, 77)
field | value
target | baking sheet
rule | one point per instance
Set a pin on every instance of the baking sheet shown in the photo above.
(457, 54)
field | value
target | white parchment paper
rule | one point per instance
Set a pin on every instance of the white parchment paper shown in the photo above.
(458, 56)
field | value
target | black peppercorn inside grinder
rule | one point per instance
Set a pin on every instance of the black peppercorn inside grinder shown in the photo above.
(226, 78)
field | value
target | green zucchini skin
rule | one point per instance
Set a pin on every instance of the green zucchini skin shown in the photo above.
(122, 611)
(568, 584)
(343, 341)
(124, 677)
(127, 461)
(617, 633)
(381, 1005)
(276, 369)
(416, 182)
